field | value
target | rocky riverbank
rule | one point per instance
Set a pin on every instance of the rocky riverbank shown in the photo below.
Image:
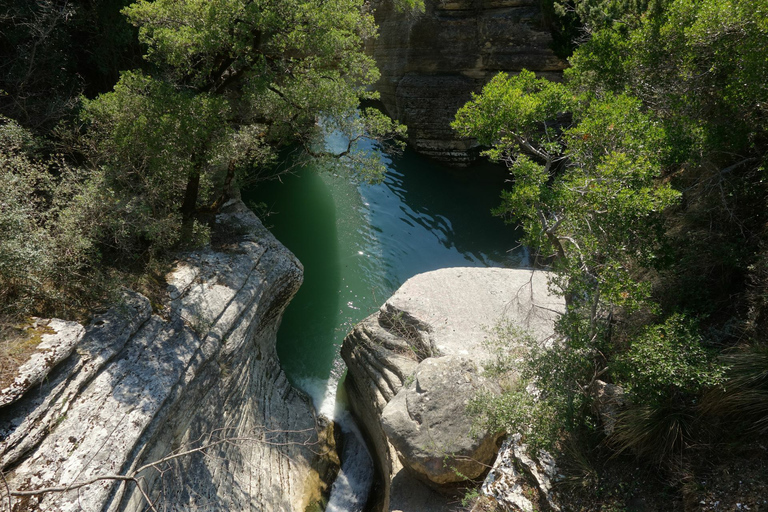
(142, 384)
(415, 364)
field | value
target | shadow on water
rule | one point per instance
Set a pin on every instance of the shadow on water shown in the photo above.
(427, 217)
(304, 220)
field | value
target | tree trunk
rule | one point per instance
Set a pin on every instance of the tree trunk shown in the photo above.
(189, 207)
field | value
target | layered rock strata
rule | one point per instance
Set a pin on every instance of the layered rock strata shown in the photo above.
(430, 62)
(416, 363)
(140, 386)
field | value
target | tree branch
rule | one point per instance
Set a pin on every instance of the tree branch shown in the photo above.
(134, 477)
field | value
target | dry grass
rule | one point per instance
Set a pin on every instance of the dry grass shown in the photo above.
(18, 342)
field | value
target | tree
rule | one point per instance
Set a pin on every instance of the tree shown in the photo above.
(233, 80)
(586, 190)
(663, 95)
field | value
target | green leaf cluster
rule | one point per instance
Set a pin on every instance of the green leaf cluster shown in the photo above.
(229, 83)
(47, 227)
(639, 181)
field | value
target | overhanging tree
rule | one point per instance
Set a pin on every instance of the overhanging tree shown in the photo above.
(232, 81)
(585, 188)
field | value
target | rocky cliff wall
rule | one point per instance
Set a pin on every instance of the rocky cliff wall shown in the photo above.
(431, 62)
(414, 366)
(135, 387)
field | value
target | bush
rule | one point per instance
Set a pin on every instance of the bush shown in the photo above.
(47, 228)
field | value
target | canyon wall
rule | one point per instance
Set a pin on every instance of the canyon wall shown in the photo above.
(430, 62)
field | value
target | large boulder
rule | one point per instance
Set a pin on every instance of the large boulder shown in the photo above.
(143, 384)
(427, 424)
(415, 364)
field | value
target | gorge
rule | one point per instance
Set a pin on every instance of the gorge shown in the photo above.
(431, 62)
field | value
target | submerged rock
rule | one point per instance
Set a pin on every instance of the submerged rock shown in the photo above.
(141, 387)
(415, 364)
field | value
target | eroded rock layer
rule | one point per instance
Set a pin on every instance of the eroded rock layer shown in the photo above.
(142, 387)
(415, 365)
(431, 62)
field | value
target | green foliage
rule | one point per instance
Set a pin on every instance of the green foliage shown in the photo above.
(223, 87)
(744, 392)
(699, 63)
(234, 82)
(661, 89)
(656, 431)
(598, 14)
(598, 213)
(150, 138)
(533, 377)
(666, 358)
(46, 238)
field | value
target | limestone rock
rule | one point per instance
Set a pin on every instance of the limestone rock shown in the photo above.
(508, 486)
(427, 423)
(436, 323)
(57, 341)
(139, 387)
(430, 62)
(608, 401)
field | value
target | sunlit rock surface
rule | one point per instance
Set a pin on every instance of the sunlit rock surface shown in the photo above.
(415, 364)
(142, 386)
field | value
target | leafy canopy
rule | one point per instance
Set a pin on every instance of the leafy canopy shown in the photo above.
(230, 82)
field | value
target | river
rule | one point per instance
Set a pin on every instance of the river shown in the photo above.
(359, 242)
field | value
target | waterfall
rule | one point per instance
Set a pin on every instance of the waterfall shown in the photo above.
(352, 486)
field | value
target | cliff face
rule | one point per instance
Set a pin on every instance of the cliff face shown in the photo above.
(431, 62)
(139, 387)
(415, 365)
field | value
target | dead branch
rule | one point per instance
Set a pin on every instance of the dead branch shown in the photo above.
(263, 436)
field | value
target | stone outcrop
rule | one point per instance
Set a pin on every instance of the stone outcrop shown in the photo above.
(415, 364)
(427, 425)
(57, 340)
(519, 482)
(138, 386)
(430, 62)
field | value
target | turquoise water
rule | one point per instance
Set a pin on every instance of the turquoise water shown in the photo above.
(359, 242)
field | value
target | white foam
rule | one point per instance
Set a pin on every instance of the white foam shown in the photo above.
(350, 490)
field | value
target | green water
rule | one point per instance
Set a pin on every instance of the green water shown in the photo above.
(360, 242)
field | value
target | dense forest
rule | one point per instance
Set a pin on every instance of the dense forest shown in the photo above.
(640, 180)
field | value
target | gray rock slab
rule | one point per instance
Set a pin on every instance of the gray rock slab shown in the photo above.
(462, 306)
(139, 387)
